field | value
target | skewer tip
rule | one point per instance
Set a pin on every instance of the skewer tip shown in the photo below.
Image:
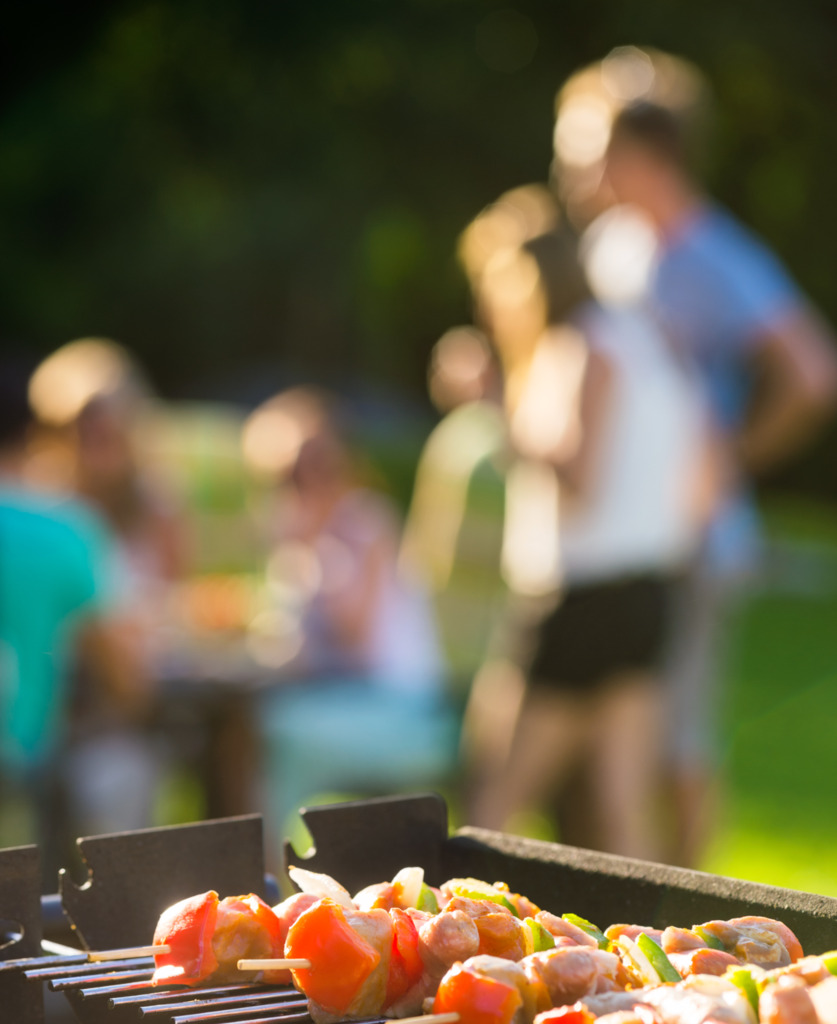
(128, 953)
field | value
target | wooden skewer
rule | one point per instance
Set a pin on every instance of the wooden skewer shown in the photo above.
(59, 949)
(126, 954)
(272, 965)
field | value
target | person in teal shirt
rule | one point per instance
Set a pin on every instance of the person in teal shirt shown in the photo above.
(56, 596)
(53, 576)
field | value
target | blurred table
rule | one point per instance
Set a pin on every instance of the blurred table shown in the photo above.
(208, 688)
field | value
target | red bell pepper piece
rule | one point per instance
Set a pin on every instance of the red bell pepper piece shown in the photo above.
(405, 965)
(575, 1014)
(341, 960)
(187, 928)
(476, 998)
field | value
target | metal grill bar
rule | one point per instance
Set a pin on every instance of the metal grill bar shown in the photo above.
(133, 987)
(77, 981)
(181, 993)
(263, 1020)
(40, 963)
(84, 969)
(235, 1015)
(247, 999)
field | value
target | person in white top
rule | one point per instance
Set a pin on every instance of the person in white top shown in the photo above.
(610, 436)
(635, 519)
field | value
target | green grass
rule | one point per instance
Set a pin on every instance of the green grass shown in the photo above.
(778, 756)
(778, 821)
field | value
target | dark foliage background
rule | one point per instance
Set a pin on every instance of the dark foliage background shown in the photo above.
(238, 189)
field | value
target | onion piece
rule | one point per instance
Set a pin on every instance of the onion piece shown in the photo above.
(321, 885)
(639, 961)
(711, 984)
(722, 988)
(410, 880)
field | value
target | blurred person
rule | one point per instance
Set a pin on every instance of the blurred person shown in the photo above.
(361, 704)
(454, 528)
(57, 605)
(765, 358)
(93, 397)
(92, 392)
(517, 215)
(589, 101)
(608, 430)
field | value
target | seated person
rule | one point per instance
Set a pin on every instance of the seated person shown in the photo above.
(351, 630)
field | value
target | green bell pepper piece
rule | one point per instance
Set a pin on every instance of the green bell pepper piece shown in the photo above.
(590, 928)
(427, 899)
(712, 941)
(498, 898)
(542, 938)
(657, 958)
(743, 979)
(829, 961)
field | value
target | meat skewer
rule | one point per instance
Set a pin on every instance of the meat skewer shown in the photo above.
(639, 961)
(393, 966)
(378, 954)
(487, 991)
(202, 937)
(206, 937)
(577, 967)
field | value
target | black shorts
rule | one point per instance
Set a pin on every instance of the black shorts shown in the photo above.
(600, 629)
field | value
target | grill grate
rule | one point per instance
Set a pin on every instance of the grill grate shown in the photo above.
(121, 991)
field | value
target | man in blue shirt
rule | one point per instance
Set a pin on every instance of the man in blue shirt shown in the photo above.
(767, 364)
(724, 297)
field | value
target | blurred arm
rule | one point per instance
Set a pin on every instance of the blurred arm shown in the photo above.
(355, 613)
(577, 470)
(435, 516)
(353, 583)
(562, 410)
(797, 368)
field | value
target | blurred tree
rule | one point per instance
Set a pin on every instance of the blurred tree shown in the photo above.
(226, 184)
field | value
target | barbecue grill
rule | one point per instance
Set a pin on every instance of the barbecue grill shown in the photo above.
(134, 876)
